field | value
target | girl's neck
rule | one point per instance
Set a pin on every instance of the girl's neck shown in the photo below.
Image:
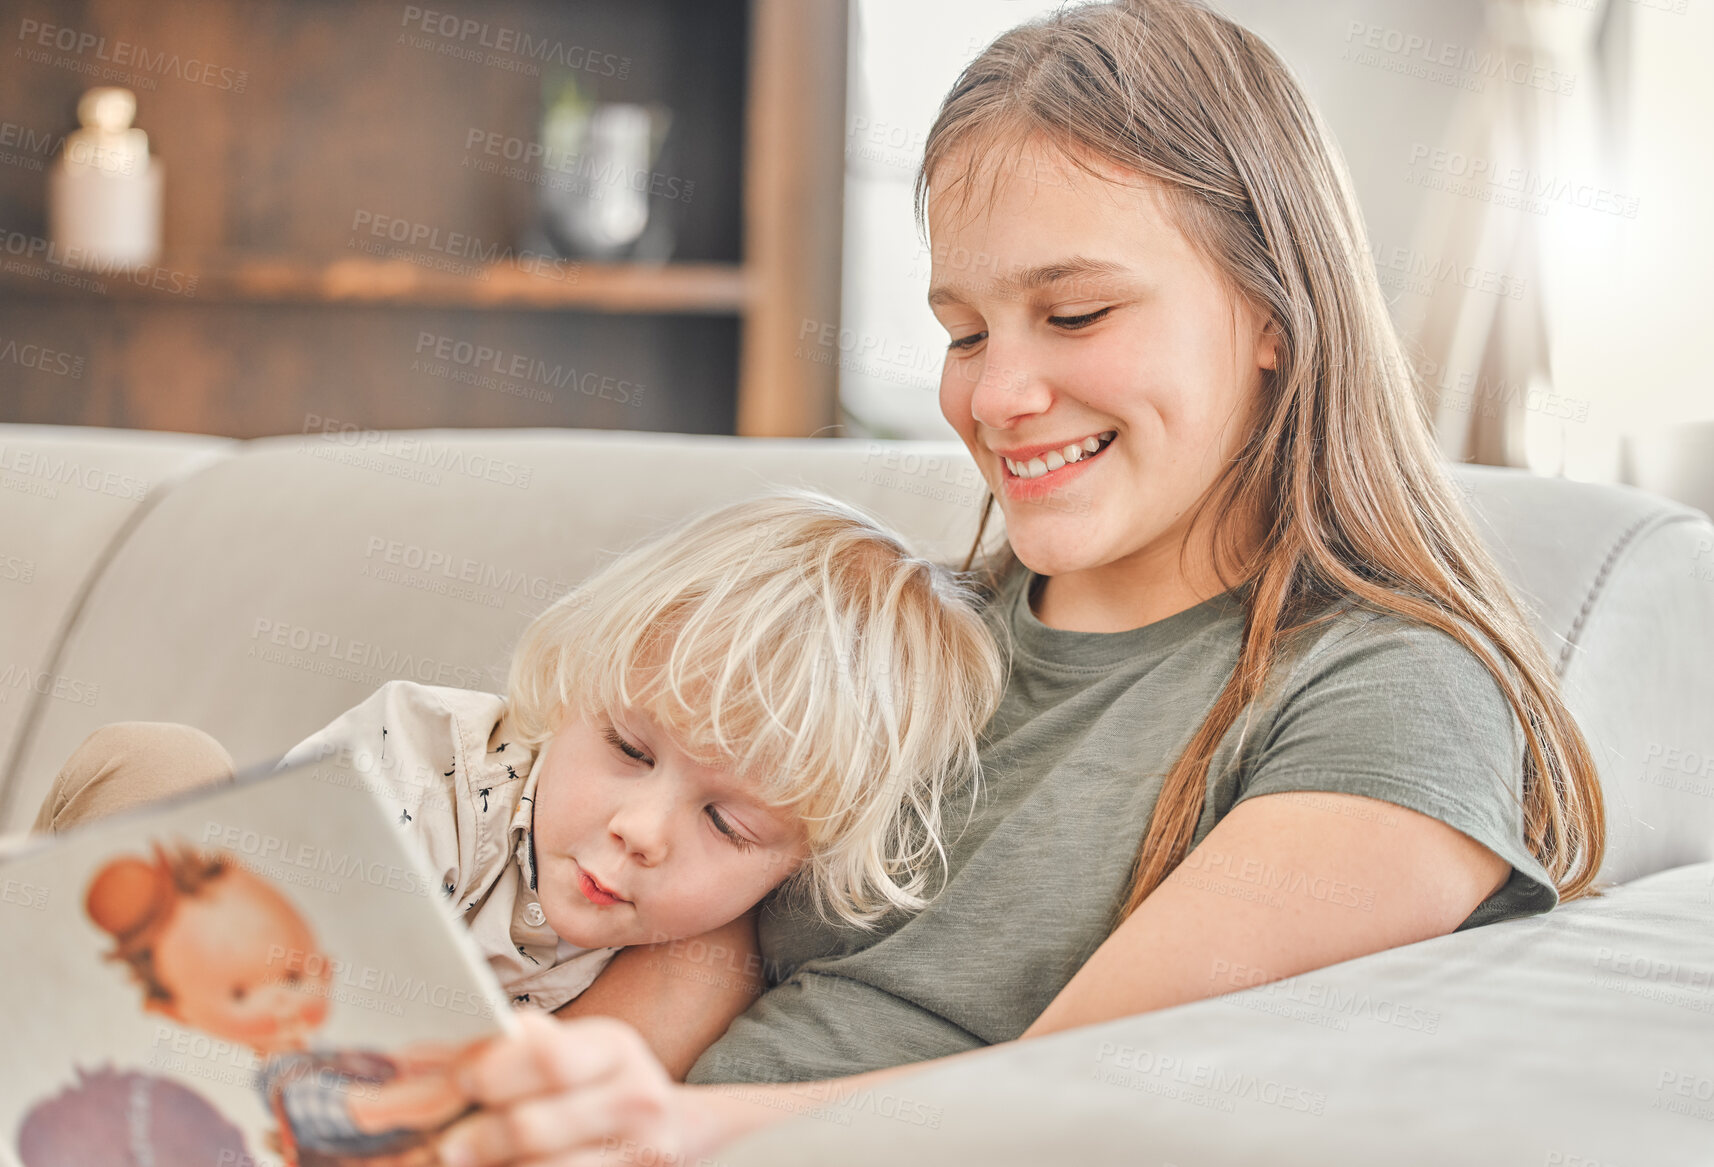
(1074, 603)
(1128, 593)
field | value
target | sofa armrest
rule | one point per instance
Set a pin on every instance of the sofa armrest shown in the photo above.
(1583, 1034)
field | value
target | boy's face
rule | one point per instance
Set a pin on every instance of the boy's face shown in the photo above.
(617, 802)
(242, 964)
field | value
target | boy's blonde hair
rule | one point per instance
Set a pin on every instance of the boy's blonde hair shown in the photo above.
(795, 641)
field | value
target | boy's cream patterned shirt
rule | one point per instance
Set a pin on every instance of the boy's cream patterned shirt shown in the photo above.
(441, 760)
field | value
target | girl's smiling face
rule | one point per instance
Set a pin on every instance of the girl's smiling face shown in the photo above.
(1080, 316)
(685, 847)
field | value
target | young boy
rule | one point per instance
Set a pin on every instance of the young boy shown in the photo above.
(775, 693)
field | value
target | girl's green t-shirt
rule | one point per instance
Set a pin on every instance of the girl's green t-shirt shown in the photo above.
(1040, 854)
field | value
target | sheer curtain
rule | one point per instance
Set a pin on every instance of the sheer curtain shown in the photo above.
(1529, 196)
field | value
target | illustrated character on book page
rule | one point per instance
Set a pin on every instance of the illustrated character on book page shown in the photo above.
(216, 947)
(123, 1118)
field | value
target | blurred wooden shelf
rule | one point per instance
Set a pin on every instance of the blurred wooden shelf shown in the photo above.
(277, 301)
(545, 285)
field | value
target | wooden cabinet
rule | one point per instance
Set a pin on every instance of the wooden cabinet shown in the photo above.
(350, 191)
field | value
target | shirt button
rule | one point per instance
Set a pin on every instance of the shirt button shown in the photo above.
(534, 916)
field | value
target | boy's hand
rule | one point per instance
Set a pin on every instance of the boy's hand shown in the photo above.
(566, 1090)
(415, 1102)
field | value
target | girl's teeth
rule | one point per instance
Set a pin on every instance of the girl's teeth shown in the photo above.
(1055, 459)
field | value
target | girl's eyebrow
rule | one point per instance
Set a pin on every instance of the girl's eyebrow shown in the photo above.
(1039, 276)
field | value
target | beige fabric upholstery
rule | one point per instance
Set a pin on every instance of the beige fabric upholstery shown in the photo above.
(66, 497)
(279, 588)
(283, 580)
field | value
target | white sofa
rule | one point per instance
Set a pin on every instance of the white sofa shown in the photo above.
(259, 588)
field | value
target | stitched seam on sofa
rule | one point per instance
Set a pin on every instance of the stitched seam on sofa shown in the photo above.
(1574, 634)
(31, 719)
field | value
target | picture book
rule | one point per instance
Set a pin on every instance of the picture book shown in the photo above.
(258, 974)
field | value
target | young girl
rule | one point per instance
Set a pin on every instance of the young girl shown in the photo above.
(1271, 703)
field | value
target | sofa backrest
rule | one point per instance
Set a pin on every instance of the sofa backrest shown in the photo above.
(68, 494)
(1622, 587)
(271, 590)
(274, 590)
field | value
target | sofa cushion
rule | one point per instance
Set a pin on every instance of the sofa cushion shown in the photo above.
(1577, 1038)
(1621, 583)
(67, 496)
(268, 594)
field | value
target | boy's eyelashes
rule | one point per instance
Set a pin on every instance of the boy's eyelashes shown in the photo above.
(625, 747)
(721, 825)
(632, 752)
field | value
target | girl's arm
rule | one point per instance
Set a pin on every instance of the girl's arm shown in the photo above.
(680, 995)
(1364, 883)
(1282, 885)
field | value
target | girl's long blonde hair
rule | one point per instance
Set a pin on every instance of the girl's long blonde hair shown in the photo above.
(1340, 462)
